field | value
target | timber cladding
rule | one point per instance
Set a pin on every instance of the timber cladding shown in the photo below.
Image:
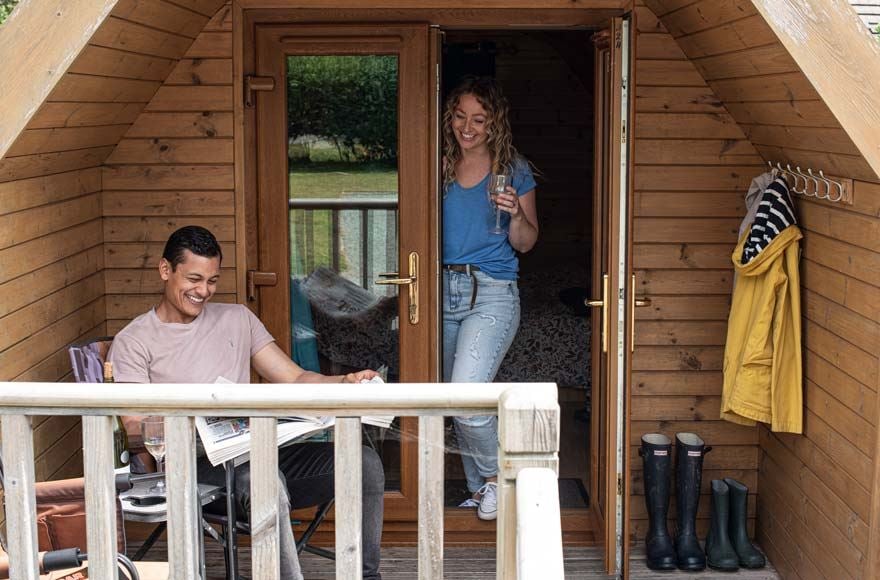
(54, 285)
(174, 167)
(815, 503)
(692, 166)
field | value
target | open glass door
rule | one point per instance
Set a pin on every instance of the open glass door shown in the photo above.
(346, 262)
(611, 279)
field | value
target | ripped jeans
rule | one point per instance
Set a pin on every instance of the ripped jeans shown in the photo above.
(474, 344)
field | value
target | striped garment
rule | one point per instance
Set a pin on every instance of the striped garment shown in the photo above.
(774, 214)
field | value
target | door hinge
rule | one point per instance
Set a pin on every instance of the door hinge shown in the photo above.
(623, 132)
(619, 485)
(253, 83)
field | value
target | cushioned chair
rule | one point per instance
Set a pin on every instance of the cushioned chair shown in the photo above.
(61, 525)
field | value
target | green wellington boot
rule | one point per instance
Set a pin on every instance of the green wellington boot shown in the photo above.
(720, 554)
(749, 556)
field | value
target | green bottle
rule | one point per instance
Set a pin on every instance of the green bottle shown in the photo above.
(120, 437)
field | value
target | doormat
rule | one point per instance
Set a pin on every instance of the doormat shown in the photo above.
(572, 493)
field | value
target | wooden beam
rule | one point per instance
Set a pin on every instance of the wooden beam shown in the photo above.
(837, 54)
(42, 38)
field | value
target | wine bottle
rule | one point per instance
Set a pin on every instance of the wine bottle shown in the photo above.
(120, 437)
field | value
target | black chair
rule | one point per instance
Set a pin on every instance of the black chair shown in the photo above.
(87, 359)
(232, 525)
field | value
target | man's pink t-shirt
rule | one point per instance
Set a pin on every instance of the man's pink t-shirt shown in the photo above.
(219, 342)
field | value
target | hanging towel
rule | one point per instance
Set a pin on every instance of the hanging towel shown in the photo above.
(762, 356)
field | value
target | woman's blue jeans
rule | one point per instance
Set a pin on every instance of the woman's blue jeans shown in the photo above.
(474, 344)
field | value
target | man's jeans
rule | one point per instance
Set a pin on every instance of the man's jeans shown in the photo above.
(474, 344)
(307, 469)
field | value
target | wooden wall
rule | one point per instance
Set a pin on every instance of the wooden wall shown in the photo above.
(815, 491)
(693, 165)
(52, 255)
(172, 168)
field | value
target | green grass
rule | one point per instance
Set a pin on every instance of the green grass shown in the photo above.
(310, 180)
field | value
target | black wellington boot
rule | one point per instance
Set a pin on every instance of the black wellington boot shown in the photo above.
(689, 451)
(656, 452)
(749, 556)
(719, 550)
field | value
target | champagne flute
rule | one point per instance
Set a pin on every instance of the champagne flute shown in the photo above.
(153, 431)
(498, 183)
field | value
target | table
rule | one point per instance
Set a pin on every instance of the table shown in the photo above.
(141, 505)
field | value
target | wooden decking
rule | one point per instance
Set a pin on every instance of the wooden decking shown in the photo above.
(466, 564)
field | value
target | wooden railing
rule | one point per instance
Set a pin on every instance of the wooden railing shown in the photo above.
(529, 535)
(313, 233)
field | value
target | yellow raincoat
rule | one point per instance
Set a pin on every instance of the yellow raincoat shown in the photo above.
(762, 357)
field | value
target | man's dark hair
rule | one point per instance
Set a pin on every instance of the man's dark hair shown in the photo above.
(196, 239)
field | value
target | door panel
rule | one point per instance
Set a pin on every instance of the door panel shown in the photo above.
(342, 170)
(611, 259)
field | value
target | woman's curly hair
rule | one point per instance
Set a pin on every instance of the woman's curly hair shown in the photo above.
(499, 138)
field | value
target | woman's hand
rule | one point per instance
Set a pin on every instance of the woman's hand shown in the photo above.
(509, 202)
(364, 375)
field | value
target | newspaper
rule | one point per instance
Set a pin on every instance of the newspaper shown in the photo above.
(229, 438)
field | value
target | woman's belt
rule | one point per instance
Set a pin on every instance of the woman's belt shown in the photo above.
(468, 269)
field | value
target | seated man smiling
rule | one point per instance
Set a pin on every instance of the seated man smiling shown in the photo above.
(188, 339)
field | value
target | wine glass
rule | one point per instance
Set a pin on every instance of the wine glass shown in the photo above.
(153, 431)
(498, 183)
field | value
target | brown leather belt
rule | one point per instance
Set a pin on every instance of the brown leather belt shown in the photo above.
(468, 269)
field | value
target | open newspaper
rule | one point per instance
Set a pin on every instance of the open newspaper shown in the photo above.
(226, 438)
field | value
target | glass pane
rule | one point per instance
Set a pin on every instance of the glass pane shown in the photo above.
(343, 192)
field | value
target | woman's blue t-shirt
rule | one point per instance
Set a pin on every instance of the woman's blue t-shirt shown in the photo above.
(468, 215)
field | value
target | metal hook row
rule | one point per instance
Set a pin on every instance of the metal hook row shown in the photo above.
(809, 184)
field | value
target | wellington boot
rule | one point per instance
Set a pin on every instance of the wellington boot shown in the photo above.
(689, 452)
(656, 452)
(719, 550)
(749, 556)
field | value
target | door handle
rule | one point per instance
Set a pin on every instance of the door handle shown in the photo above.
(640, 302)
(412, 283)
(255, 279)
(603, 303)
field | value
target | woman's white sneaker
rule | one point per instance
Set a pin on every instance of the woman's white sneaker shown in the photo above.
(488, 508)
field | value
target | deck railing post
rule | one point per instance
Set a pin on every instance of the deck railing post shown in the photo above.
(265, 517)
(184, 525)
(431, 458)
(100, 492)
(21, 505)
(349, 498)
(528, 436)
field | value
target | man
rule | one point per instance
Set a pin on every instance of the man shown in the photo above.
(186, 339)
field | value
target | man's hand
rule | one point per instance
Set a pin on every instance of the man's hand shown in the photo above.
(364, 375)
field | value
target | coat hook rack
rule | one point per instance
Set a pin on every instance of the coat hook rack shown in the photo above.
(814, 184)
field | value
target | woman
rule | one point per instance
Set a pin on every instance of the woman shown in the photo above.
(480, 296)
